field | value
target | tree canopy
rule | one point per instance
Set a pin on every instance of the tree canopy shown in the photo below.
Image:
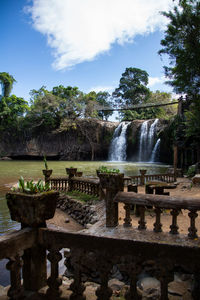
(182, 44)
(58, 108)
(6, 81)
(132, 87)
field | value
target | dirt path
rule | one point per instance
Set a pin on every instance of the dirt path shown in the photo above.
(59, 221)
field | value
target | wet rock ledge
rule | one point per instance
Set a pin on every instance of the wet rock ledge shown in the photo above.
(83, 213)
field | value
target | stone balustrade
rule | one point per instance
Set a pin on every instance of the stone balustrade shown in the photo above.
(143, 178)
(81, 184)
(132, 250)
(160, 203)
(132, 253)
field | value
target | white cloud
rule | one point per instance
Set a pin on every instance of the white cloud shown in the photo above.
(79, 30)
(97, 89)
(155, 80)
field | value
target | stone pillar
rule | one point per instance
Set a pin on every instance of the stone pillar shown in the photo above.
(142, 177)
(113, 183)
(33, 211)
(47, 175)
(71, 173)
(34, 268)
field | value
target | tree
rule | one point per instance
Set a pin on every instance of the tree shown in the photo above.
(132, 87)
(132, 90)
(162, 112)
(72, 103)
(50, 108)
(182, 44)
(90, 105)
(11, 110)
(7, 81)
(103, 99)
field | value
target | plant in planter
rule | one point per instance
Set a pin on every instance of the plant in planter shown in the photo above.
(71, 171)
(31, 203)
(105, 170)
(109, 175)
(47, 172)
(79, 174)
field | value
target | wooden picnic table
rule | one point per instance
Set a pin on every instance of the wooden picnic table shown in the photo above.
(158, 187)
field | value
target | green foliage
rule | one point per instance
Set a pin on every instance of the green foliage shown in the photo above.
(191, 171)
(82, 197)
(45, 163)
(192, 121)
(30, 187)
(132, 90)
(104, 169)
(182, 44)
(132, 87)
(103, 99)
(7, 81)
(11, 110)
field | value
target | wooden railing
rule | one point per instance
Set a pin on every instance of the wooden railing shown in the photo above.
(131, 253)
(81, 184)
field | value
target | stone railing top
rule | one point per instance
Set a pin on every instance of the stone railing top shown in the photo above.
(17, 241)
(86, 179)
(161, 201)
(116, 239)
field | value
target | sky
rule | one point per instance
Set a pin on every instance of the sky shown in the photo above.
(83, 43)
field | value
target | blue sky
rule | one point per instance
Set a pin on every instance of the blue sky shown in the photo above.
(80, 43)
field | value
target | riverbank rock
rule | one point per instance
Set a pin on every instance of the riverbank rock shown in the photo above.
(5, 158)
(196, 179)
(85, 214)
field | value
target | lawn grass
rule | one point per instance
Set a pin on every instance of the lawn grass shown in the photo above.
(82, 197)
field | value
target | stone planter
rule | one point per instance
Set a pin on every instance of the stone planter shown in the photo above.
(32, 210)
(47, 173)
(79, 174)
(111, 180)
(71, 171)
(113, 183)
(143, 172)
(142, 177)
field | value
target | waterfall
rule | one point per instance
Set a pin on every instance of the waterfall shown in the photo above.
(151, 135)
(143, 141)
(117, 150)
(155, 151)
(146, 143)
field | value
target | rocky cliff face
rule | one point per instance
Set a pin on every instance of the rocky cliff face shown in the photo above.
(133, 140)
(85, 140)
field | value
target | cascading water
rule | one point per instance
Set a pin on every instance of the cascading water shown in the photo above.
(155, 151)
(151, 134)
(143, 141)
(146, 144)
(117, 150)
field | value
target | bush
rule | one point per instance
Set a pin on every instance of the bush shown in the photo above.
(191, 171)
